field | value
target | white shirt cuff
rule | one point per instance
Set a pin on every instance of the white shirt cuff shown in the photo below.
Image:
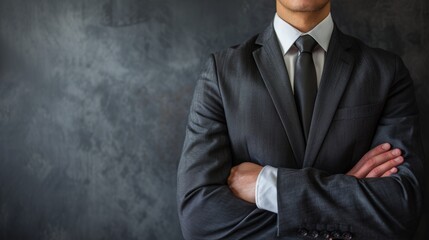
(266, 189)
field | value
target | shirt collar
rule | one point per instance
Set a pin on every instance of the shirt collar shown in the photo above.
(287, 34)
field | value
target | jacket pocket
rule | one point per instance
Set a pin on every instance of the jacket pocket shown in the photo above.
(357, 112)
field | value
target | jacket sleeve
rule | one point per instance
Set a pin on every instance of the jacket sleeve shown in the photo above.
(372, 208)
(207, 208)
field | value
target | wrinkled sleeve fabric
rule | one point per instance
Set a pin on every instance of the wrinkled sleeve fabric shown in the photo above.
(373, 208)
(207, 208)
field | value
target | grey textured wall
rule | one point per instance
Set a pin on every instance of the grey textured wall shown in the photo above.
(94, 97)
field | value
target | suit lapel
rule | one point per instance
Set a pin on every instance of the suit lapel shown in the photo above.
(270, 63)
(336, 74)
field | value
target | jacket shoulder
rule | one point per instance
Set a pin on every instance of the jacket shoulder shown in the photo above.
(243, 50)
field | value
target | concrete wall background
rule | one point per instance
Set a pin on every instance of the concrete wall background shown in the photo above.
(94, 97)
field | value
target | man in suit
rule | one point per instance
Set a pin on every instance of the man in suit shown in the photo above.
(301, 132)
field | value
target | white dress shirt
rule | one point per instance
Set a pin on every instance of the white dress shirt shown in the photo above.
(266, 184)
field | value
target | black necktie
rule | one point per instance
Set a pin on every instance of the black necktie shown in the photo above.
(305, 81)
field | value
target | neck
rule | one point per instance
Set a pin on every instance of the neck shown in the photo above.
(304, 21)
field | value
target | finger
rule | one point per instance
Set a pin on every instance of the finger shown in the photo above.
(385, 167)
(230, 178)
(390, 172)
(376, 161)
(373, 152)
(372, 163)
(377, 151)
(232, 175)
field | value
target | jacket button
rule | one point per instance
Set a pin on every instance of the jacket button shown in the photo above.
(314, 234)
(335, 235)
(303, 232)
(325, 235)
(347, 236)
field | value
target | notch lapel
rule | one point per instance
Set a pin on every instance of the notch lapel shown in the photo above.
(336, 75)
(271, 66)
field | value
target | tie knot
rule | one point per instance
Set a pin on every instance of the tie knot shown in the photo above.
(305, 43)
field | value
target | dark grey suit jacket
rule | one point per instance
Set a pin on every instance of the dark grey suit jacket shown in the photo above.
(243, 110)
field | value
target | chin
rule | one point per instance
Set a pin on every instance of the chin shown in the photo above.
(304, 5)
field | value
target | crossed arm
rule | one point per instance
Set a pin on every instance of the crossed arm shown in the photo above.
(374, 205)
(381, 161)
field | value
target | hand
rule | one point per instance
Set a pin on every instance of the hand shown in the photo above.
(242, 180)
(378, 162)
